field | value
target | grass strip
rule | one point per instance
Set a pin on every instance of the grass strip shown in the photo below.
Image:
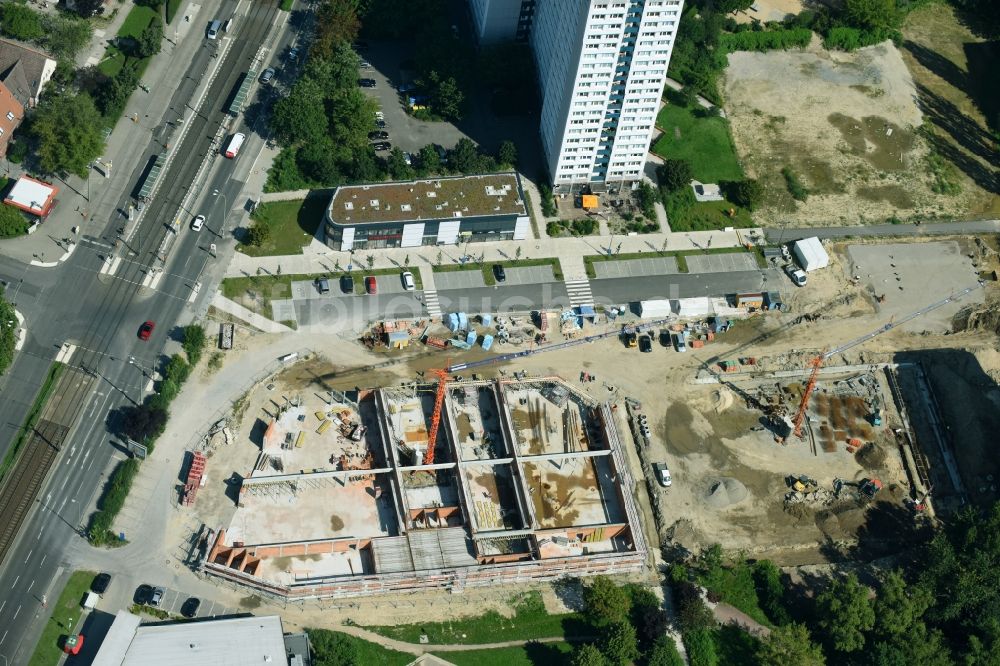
(65, 612)
(551, 654)
(32, 418)
(99, 531)
(172, 7)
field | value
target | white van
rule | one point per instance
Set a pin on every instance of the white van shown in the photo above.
(227, 25)
(213, 28)
(233, 149)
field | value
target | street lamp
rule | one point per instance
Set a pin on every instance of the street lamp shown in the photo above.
(132, 361)
(225, 211)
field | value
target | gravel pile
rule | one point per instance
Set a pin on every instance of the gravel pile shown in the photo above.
(725, 492)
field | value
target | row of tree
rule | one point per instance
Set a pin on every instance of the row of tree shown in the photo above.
(61, 35)
(941, 608)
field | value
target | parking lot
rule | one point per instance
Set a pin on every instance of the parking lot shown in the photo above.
(469, 279)
(636, 267)
(721, 263)
(173, 600)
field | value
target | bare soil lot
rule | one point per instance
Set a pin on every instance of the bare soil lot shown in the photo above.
(845, 124)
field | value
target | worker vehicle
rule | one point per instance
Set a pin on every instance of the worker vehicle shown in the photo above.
(408, 282)
(233, 149)
(797, 275)
(645, 343)
(213, 29)
(662, 473)
(631, 339)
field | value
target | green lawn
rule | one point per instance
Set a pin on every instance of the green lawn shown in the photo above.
(686, 214)
(530, 621)
(136, 21)
(292, 224)
(172, 7)
(705, 142)
(68, 606)
(533, 654)
(334, 647)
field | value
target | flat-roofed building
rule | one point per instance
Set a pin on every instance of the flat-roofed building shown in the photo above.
(434, 211)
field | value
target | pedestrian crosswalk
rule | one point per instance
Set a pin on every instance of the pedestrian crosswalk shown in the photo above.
(579, 292)
(431, 303)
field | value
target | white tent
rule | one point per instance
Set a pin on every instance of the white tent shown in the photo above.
(654, 309)
(693, 307)
(810, 253)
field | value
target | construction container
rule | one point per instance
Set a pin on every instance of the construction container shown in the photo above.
(487, 342)
(810, 254)
(486, 319)
(655, 309)
(750, 300)
(323, 427)
(471, 338)
(300, 440)
(697, 344)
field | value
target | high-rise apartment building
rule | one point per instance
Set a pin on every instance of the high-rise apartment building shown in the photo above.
(601, 69)
(502, 20)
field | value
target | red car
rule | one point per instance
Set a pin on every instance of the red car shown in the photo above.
(73, 644)
(370, 285)
(146, 330)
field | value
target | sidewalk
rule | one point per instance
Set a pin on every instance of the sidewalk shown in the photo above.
(318, 258)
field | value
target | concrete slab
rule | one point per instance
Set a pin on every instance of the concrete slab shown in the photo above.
(912, 276)
(636, 267)
(721, 263)
(469, 279)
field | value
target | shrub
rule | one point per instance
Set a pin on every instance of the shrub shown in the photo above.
(771, 591)
(111, 503)
(12, 222)
(194, 342)
(795, 187)
(849, 39)
(701, 648)
(549, 208)
(646, 196)
(258, 234)
(747, 193)
(766, 40)
(553, 228)
(584, 227)
(674, 175)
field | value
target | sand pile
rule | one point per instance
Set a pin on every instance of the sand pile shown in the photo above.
(725, 492)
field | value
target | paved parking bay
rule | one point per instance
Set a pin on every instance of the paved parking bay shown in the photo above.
(528, 275)
(470, 279)
(173, 600)
(636, 267)
(721, 263)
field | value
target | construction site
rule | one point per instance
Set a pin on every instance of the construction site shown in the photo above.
(441, 485)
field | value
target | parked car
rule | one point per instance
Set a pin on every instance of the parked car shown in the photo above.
(100, 584)
(293, 53)
(381, 124)
(371, 285)
(190, 607)
(378, 135)
(662, 473)
(382, 146)
(797, 275)
(645, 343)
(499, 273)
(198, 223)
(408, 283)
(267, 75)
(347, 284)
(366, 83)
(408, 158)
(665, 338)
(364, 64)
(142, 594)
(157, 596)
(146, 330)
(630, 339)
(322, 285)
(679, 343)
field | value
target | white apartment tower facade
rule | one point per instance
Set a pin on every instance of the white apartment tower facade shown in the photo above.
(601, 66)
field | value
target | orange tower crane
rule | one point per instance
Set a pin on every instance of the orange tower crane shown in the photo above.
(817, 363)
(442, 386)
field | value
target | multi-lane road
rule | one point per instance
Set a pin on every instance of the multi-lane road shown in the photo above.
(101, 313)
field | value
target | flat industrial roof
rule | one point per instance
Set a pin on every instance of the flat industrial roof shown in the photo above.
(229, 642)
(430, 199)
(32, 195)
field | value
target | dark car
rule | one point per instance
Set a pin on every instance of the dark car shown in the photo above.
(142, 594)
(190, 607)
(146, 330)
(347, 284)
(322, 285)
(293, 54)
(100, 584)
(267, 75)
(366, 83)
(665, 338)
(499, 273)
(645, 343)
(380, 123)
(382, 146)
(378, 135)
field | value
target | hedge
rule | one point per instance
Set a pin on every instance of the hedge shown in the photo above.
(700, 648)
(116, 492)
(766, 41)
(849, 39)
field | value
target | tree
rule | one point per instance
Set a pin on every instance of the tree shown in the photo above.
(143, 422)
(605, 603)
(790, 644)
(429, 159)
(318, 162)
(114, 93)
(21, 22)
(872, 14)
(899, 607)
(194, 342)
(646, 198)
(748, 193)
(150, 39)
(588, 655)
(619, 644)
(87, 8)
(258, 234)
(445, 96)
(919, 646)
(770, 591)
(331, 648)
(300, 117)
(67, 131)
(8, 337)
(507, 154)
(65, 35)
(337, 24)
(664, 653)
(674, 174)
(730, 6)
(845, 614)
(12, 222)
(370, 260)
(464, 157)
(397, 166)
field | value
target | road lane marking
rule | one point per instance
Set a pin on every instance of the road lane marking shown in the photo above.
(29, 555)
(43, 561)
(4, 638)
(15, 581)
(30, 586)
(1, 609)
(16, 612)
